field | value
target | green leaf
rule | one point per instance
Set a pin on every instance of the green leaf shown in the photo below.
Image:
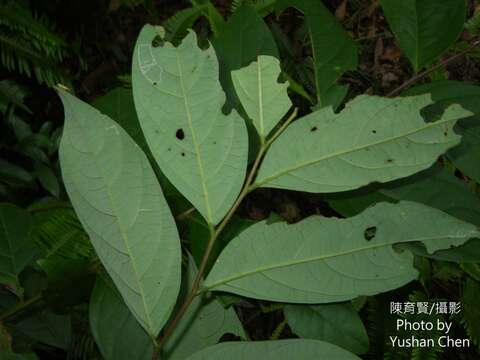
(12, 173)
(197, 234)
(121, 206)
(372, 139)
(203, 324)
(334, 51)
(49, 328)
(6, 352)
(59, 233)
(118, 105)
(244, 37)
(116, 332)
(263, 98)
(17, 248)
(321, 260)
(298, 349)
(13, 93)
(466, 156)
(425, 28)
(178, 99)
(467, 253)
(47, 178)
(435, 187)
(338, 324)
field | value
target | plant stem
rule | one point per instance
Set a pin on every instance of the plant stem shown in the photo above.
(214, 233)
(19, 307)
(441, 64)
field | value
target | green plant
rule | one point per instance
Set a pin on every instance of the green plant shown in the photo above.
(34, 150)
(212, 126)
(30, 44)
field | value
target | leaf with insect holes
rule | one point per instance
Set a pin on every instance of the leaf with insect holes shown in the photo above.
(121, 206)
(373, 139)
(323, 260)
(263, 98)
(466, 156)
(179, 100)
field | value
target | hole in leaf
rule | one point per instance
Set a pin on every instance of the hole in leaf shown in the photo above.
(157, 41)
(374, 131)
(370, 233)
(183, 154)
(389, 160)
(180, 134)
(313, 129)
(154, 83)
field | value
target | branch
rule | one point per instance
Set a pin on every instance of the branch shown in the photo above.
(441, 64)
(214, 233)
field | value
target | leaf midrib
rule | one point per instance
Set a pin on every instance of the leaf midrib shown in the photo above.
(260, 98)
(194, 142)
(323, 257)
(351, 150)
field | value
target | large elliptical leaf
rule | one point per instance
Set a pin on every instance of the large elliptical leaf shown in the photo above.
(322, 260)
(121, 206)
(334, 51)
(179, 104)
(264, 99)
(372, 140)
(298, 349)
(17, 247)
(425, 28)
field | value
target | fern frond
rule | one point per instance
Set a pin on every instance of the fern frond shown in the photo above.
(30, 45)
(263, 7)
(235, 5)
(177, 25)
(38, 28)
(59, 233)
(470, 311)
